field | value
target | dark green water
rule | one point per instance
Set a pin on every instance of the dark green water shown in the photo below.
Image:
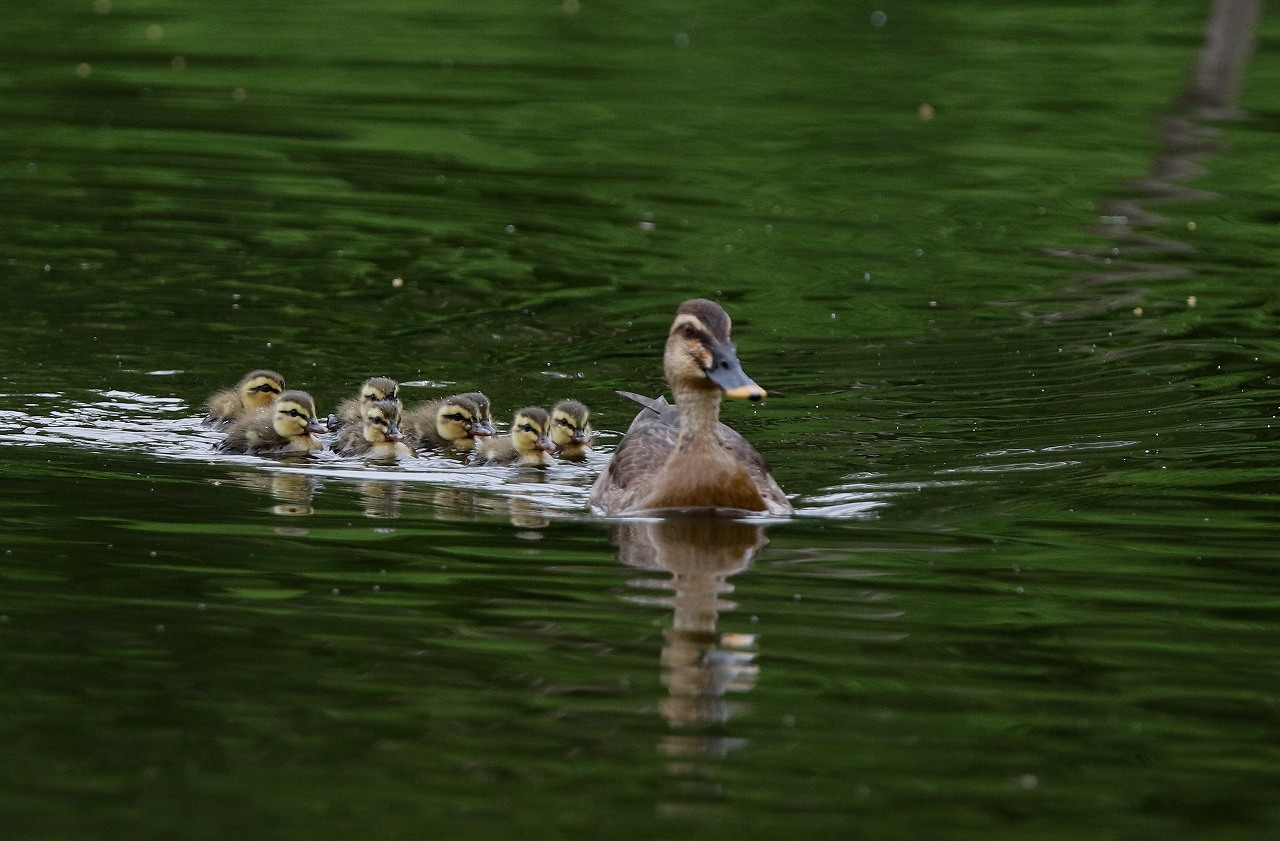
(1029, 425)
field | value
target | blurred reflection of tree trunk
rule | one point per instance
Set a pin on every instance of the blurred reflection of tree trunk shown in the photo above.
(1215, 85)
(1185, 140)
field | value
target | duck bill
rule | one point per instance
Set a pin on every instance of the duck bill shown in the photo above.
(316, 426)
(726, 372)
(394, 433)
(544, 444)
(579, 437)
(483, 428)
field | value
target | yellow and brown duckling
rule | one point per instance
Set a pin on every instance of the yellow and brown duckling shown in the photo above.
(377, 435)
(288, 425)
(451, 423)
(571, 429)
(255, 391)
(484, 420)
(527, 445)
(351, 411)
(681, 456)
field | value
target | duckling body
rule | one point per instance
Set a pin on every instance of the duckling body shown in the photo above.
(681, 456)
(288, 425)
(527, 445)
(255, 391)
(571, 430)
(377, 435)
(452, 423)
(351, 411)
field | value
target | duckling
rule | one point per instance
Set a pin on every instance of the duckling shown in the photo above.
(483, 421)
(571, 429)
(288, 425)
(351, 411)
(255, 391)
(527, 445)
(377, 435)
(451, 423)
(681, 456)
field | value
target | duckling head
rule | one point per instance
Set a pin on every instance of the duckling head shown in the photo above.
(456, 419)
(700, 355)
(378, 388)
(382, 421)
(259, 388)
(529, 432)
(482, 424)
(570, 426)
(293, 415)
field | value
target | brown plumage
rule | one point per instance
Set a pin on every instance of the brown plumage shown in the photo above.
(255, 391)
(681, 456)
(288, 425)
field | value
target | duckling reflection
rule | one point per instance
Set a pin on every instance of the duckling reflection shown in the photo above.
(381, 499)
(293, 492)
(700, 665)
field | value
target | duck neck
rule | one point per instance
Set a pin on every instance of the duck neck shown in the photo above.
(699, 415)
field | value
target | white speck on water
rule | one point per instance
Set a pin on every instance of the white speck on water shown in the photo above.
(789, 720)
(682, 40)
(47, 268)
(879, 18)
(335, 592)
(1028, 781)
(511, 229)
(866, 275)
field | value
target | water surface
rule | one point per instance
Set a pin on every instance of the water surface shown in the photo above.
(1014, 306)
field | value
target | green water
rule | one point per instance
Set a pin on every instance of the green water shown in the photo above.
(1029, 431)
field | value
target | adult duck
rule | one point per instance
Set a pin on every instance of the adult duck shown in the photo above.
(681, 457)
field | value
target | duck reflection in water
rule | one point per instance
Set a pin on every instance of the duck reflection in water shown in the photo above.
(700, 664)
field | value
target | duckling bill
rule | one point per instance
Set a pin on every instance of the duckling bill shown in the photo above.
(682, 457)
(288, 425)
